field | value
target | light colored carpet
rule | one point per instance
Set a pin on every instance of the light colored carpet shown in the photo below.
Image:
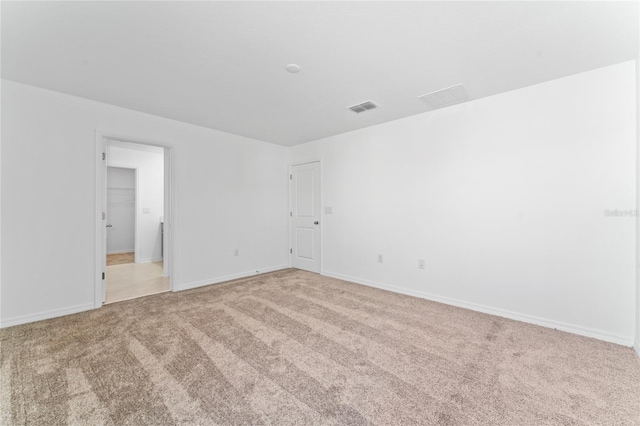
(295, 348)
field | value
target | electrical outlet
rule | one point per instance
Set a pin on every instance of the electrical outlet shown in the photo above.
(236, 252)
(379, 258)
(420, 263)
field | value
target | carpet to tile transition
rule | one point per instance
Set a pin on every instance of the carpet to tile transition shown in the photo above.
(295, 348)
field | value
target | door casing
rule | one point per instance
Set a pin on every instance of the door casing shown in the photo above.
(170, 210)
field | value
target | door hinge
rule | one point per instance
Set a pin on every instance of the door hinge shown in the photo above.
(290, 177)
(291, 251)
(290, 214)
(104, 215)
(103, 275)
(104, 155)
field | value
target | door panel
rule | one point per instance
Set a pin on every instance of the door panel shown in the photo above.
(305, 216)
(304, 242)
(304, 184)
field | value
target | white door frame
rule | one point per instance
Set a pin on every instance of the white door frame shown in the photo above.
(170, 211)
(137, 207)
(291, 166)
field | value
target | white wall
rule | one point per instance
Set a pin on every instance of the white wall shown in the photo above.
(504, 197)
(231, 193)
(150, 164)
(121, 210)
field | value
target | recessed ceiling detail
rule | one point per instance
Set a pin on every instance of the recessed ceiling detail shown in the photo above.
(445, 97)
(365, 106)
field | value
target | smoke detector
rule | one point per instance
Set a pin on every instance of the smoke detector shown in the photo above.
(365, 106)
(445, 97)
(293, 68)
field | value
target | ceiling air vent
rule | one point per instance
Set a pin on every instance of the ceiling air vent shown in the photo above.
(445, 97)
(365, 106)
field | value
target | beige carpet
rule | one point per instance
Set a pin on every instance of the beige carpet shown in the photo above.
(294, 348)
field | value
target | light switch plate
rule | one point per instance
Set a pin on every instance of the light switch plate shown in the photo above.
(328, 210)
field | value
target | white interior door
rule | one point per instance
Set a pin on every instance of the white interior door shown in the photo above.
(305, 217)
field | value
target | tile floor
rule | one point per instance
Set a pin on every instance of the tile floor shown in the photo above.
(131, 280)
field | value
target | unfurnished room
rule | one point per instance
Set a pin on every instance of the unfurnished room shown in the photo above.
(320, 213)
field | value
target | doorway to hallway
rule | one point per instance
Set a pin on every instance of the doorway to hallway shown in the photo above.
(135, 196)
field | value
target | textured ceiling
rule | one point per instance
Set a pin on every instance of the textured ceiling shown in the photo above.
(221, 64)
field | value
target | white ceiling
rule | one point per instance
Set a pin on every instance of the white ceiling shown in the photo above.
(221, 64)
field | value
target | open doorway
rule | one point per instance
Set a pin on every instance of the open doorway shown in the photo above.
(121, 215)
(134, 190)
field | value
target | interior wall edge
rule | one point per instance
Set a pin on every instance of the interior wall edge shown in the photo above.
(637, 345)
(530, 319)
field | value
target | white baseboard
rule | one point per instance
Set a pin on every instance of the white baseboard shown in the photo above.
(24, 319)
(218, 280)
(636, 346)
(570, 328)
(121, 251)
(149, 260)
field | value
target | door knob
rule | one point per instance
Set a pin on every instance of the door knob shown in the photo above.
(316, 222)
(109, 226)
